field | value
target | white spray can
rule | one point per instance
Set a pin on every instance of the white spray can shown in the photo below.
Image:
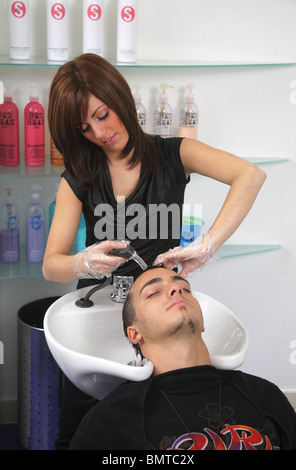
(127, 18)
(93, 26)
(19, 30)
(57, 30)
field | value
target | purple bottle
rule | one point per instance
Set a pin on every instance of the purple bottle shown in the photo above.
(35, 228)
(9, 230)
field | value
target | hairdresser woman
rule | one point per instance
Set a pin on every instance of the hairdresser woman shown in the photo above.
(107, 156)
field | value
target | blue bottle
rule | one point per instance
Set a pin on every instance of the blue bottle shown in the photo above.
(51, 208)
(81, 235)
(191, 229)
(35, 228)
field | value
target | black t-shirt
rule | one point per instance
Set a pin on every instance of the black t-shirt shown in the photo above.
(155, 231)
(205, 412)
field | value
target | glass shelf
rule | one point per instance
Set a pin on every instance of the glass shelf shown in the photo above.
(23, 269)
(24, 170)
(55, 170)
(230, 251)
(35, 61)
(267, 161)
(41, 61)
(162, 63)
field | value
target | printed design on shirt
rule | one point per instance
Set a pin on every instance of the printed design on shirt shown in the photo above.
(241, 438)
(213, 415)
(231, 436)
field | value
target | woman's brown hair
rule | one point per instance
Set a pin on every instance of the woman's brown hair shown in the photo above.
(68, 106)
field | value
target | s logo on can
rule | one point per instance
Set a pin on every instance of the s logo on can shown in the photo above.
(18, 9)
(58, 11)
(128, 14)
(94, 12)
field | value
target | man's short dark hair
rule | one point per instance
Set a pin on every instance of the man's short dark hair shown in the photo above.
(129, 313)
(128, 318)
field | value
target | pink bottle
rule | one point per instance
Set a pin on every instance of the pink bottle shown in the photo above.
(9, 131)
(34, 131)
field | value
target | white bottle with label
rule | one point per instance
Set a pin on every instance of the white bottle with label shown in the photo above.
(93, 27)
(57, 30)
(19, 30)
(9, 230)
(188, 116)
(35, 227)
(163, 114)
(127, 18)
(141, 110)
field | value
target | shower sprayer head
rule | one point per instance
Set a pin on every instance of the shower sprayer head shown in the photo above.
(129, 252)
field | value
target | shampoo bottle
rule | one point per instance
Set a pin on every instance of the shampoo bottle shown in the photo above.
(9, 230)
(35, 228)
(191, 230)
(57, 30)
(163, 114)
(81, 235)
(51, 208)
(9, 130)
(56, 158)
(192, 223)
(34, 131)
(19, 30)
(188, 116)
(93, 27)
(141, 110)
(127, 18)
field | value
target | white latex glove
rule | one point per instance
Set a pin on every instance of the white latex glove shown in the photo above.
(191, 257)
(94, 261)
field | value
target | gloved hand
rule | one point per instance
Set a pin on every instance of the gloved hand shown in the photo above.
(94, 261)
(191, 257)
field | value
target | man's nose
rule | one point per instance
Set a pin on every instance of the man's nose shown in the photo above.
(174, 289)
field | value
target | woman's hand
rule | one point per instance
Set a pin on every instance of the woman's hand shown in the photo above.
(95, 262)
(191, 258)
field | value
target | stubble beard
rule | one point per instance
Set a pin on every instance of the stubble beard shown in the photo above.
(185, 327)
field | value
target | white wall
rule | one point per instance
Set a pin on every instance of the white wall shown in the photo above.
(248, 111)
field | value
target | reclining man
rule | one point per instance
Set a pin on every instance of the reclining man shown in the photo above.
(187, 404)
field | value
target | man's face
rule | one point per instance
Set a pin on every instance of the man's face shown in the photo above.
(164, 306)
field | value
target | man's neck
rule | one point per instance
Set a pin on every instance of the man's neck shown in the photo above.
(178, 356)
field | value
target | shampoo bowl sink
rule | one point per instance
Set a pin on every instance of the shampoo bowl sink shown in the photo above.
(91, 349)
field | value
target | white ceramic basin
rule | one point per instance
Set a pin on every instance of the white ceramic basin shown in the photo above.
(91, 349)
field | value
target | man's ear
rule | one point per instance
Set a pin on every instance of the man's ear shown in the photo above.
(134, 334)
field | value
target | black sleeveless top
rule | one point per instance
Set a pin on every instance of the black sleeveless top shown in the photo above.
(151, 217)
